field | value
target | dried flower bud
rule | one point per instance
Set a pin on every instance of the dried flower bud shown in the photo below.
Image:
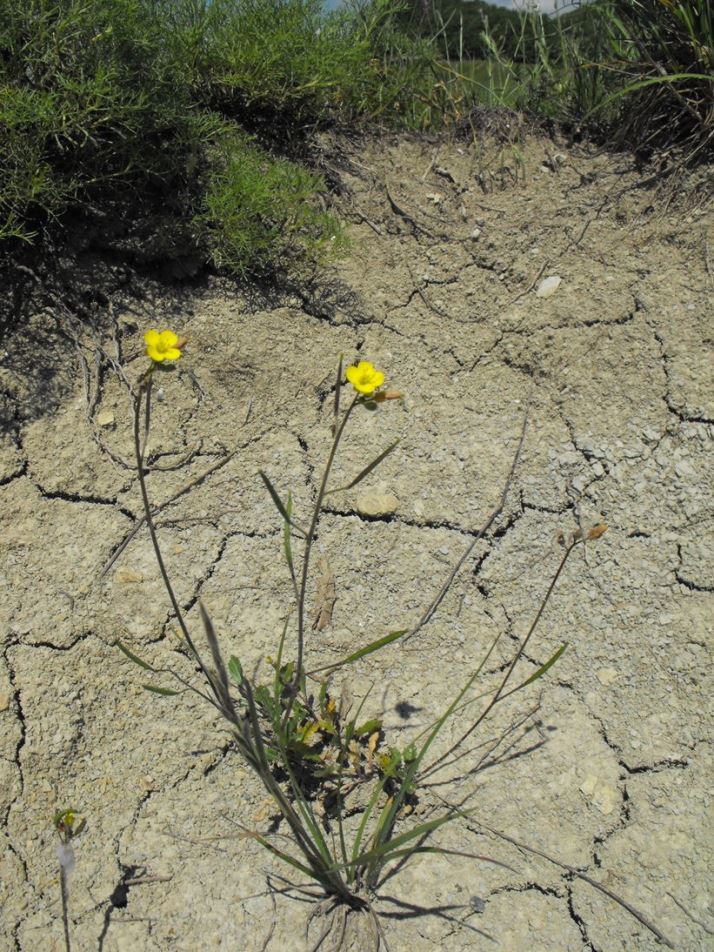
(387, 395)
(597, 530)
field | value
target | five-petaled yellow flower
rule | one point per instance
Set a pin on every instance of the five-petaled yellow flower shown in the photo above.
(364, 378)
(163, 346)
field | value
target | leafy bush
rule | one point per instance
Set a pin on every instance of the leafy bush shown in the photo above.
(138, 98)
(258, 210)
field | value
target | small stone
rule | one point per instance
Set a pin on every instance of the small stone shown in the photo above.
(475, 234)
(127, 576)
(377, 504)
(606, 676)
(548, 286)
(105, 418)
(4, 701)
(684, 468)
(602, 796)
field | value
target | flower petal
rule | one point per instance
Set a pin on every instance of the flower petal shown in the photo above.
(167, 339)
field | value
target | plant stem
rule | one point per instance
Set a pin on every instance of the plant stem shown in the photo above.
(299, 666)
(139, 451)
(65, 910)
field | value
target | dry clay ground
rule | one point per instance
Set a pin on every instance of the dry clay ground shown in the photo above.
(604, 765)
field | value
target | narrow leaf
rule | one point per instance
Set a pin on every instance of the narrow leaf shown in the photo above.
(374, 646)
(279, 505)
(409, 850)
(287, 546)
(393, 845)
(132, 657)
(283, 856)
(544, 667)
(367, 470)
(164, 692)
(368, 649)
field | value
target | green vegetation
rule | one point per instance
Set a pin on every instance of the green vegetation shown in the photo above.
(640, 73)
(201, 109)
(196, 109)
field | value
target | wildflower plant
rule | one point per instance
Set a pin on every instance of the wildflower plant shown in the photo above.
(309, 749)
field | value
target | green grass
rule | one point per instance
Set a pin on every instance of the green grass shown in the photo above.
(194, 108)
(637, 73)
(202, 110)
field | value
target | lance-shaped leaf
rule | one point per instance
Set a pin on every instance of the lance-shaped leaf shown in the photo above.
(132, 657)
(164, 692)
(537, 674)
(235, 669)
(366, 471)
(279, 504)
(367, 649)
(287, 542)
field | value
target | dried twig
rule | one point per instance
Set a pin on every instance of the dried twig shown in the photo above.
(405, 215)
(426, 617)
(592, 882)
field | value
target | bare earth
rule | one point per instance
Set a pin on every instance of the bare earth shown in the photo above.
(604, 765)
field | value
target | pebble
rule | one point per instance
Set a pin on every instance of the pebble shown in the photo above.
(4, 701)
(475, 234)
(377, 504)
(105, 418)
(548, 286)
(127, 576)
(602, 796)
(606, 676)
(684, 468)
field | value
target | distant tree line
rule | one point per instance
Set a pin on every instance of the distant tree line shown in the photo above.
(464, 26)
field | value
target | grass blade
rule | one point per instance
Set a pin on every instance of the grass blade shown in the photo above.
(367, 470)
(279, 505)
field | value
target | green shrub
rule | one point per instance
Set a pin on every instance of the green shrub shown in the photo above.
(134, 99)
(258, 210)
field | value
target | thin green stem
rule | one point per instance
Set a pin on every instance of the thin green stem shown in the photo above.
(306, 558)
(139, 451)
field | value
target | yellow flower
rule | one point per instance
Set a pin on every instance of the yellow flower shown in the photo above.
(364, 378)
(163, 346)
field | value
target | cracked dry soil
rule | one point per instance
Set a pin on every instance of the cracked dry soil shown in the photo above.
(605, 767)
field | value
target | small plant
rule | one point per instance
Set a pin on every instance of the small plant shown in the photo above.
(67, 825)
(346, 795)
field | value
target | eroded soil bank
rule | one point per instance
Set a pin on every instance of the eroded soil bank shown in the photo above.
(605, 765)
